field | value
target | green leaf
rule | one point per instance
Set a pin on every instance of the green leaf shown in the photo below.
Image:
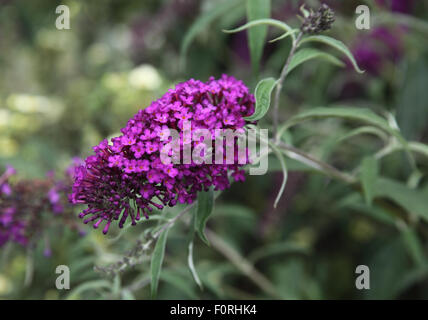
(414, 246)
(192, 266)
(357, 114)
(257, 9)
(284, 173)
(278, 248)
(409, 279)
(203, 21)
(339, 45)
(115, 290)
(356, 202)
(416, 147)
(204, 209)
(180, 282)
(284, 35)
(262, 93)
(127, 295)
(364, 130)
(271, 22)
(348, 113)
(306, 54)
(90, 285)
(235, 210)
(412, 92)
(369, 174)
(157, 260)
(419, 148)
(413, 201)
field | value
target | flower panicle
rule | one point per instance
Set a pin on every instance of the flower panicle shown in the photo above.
(129, 170)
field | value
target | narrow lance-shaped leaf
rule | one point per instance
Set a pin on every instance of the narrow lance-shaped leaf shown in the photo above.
(284, 173)
(364, 130)
(306, 54)
(349, 113)
(192, 266)
(270, 22)
(285, 35)
(262, 93)
(339, 45)
(356, 114)
(91, 285)
(257, 9)
(190, 262)
(157, 260)
(414, 246)
(204, 209)
(369, 174)
(419, 147)
(414, 201)
(203, 21)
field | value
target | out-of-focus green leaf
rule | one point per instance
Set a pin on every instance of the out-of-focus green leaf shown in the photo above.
(357, 114)
(262, 93)
(90, 285)
(364, 130)
(417, 275)
(157, 260)
(204, 209)
(234, 210)
(276, 249)
(203, 21)
(339, 45)
(179, 282)
(285, 35)
(306, 54)
(388, 264)
(414, 246)
(356, 202)
(414, 201)
(192, 265)
(369, 174)
(271, 22)
(115, 290)
(284, 174)
(127, 295)
(419, 148)
(412, 97)
(257, 9)
(213, 275)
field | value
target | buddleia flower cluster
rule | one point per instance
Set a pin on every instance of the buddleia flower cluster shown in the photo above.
(126, 177)
(317, 22)
(28, 207)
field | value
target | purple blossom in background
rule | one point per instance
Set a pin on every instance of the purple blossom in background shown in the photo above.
(380, 46)
(403, 6)
(128, 179)
(28, 207)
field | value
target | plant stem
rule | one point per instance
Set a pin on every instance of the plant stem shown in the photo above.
(242, 264)
(311, 161)
(281, 80)
(172, 221)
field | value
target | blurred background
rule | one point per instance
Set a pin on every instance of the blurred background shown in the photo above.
(63, 91)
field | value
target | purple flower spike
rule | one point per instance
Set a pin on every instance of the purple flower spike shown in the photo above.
(127, 179)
